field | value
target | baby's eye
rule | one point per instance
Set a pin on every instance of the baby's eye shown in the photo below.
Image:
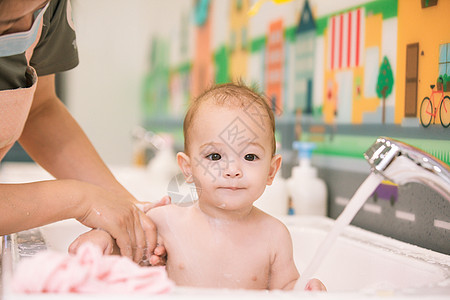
(214, 156)
(250, 157)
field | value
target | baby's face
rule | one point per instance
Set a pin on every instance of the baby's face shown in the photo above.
(231, 155)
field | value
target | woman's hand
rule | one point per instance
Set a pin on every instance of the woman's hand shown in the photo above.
(116, 213)
(159, 255)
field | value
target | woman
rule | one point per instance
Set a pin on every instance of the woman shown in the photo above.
(37, 40)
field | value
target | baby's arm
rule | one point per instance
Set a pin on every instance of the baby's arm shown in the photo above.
(107, 244)
(283, 272)
(99, 238)
(159, 258)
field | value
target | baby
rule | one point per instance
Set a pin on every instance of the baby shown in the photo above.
(223, 241)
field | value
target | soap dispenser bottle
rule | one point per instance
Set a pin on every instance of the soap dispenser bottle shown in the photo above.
(307, 191)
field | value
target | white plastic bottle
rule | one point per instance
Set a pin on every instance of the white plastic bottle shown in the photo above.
(161, 170)
(307, 191)
(275, 199)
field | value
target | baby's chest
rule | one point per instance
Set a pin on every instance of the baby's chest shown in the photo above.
(219, 266)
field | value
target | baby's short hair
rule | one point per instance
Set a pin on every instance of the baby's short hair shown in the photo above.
(233, 95)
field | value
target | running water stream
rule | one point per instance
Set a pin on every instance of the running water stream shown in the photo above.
(352, 208)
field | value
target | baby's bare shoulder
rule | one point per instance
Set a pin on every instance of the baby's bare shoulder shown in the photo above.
(267, 221)
(169, 208)
(162, 213)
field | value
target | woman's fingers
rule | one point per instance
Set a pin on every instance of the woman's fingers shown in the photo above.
(150, 232)
(146, 206)
(118, 214)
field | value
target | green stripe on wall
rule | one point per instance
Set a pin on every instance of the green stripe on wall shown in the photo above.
(354, 146)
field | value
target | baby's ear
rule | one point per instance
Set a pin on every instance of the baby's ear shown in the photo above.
(184, 162)
(275, 165)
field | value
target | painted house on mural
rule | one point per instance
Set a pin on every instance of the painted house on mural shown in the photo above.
(304, 50)
(202, 66)
(274, 65)
(179, 89)
(356, 41)
(155, 96)
(179, 84)
(344, 47)
(423, 55)
(239, 41)
(255, 69)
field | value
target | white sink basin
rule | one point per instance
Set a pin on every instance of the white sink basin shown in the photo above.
(361, 264)
(359, 261)
(365, 261)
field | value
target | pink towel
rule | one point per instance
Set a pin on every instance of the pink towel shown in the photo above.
(88, 272)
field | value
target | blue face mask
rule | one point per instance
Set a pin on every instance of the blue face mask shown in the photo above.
(16, 43)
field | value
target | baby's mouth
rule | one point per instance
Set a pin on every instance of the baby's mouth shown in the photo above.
(231, 188)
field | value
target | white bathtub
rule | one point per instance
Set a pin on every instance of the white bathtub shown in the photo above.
(361, 264)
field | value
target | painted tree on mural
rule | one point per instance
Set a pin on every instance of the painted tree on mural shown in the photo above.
(384, 84)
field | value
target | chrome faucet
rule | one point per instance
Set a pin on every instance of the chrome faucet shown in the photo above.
(402, 163)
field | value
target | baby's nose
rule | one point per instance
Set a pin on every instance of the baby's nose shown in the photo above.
(232, 172)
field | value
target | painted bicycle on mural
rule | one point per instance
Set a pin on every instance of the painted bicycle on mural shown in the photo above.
(429, 107)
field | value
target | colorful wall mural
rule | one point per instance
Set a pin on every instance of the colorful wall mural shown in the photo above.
(423, 51)
(336, 66)
(239, 39)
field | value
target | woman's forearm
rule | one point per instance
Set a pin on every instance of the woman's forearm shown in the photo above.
(29, 205)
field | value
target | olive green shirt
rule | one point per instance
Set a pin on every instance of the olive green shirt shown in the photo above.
(55, 52)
